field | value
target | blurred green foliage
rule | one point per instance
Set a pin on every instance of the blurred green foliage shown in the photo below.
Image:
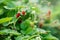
(26, 27)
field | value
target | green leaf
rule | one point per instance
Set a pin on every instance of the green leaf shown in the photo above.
(22, 37)
(25, 1)
(50, 37)
(56, 12)
(8, 38)
(11, 13)
(6, 24)
(26, 27)
(15, 19)
(36, 9)
(18, 38)
(2, 1)
(29, 30)
(9, 31)
(25, 24)
(1, 11)
(7, 19)
(10, 5)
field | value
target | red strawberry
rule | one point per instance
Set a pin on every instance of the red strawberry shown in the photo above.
(18, 14)
(23, 12)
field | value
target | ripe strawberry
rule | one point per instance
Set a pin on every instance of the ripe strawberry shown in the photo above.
(18, 14)
(23, 13)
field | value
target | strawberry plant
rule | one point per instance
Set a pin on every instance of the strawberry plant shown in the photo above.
(29, 20)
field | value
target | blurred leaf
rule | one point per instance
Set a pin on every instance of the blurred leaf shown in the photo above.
(50, 37)
(10, 5)
(6, 24)
(9, 31)
(18, 38)
(7, 19)
(56, 12)
(8, 38)
(2, 1)
(25, 24)
(26, 27)
(11, 13)
(1, 11)
(22, 37)
(25, 1)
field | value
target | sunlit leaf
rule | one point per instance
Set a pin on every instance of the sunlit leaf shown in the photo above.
(7, 19)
